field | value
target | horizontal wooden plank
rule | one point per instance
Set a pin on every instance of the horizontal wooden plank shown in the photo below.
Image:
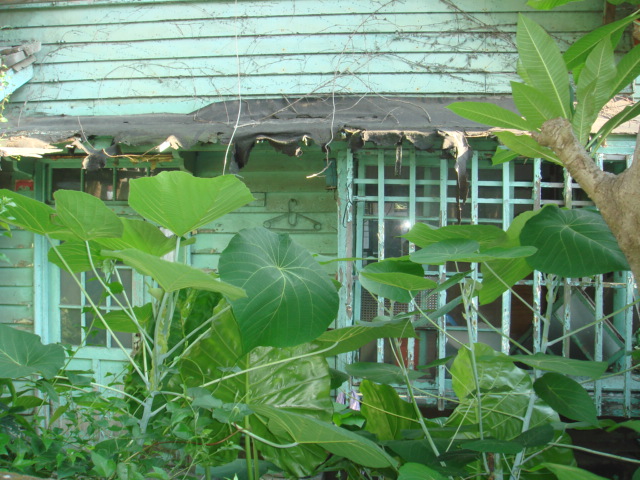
(22, 277)
(99, 12)
(187, 68)
(300, 25)
(20, 314)
(308, 202)
(17, 257)
(337, 44)
(291, 223)
(290, 85)
(16, 295)
(207, 258)
(18, 239)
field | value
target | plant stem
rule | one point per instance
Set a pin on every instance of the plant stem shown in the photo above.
(551, 296)
(595, 452)
(467, 292)
(247, 455)
(95, 308)
(518, 461)
(416, 408)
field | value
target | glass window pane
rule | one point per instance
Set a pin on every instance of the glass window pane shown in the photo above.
(69, 290)
(70, 326)
(95, 336)
(65, 179)
(99, 183)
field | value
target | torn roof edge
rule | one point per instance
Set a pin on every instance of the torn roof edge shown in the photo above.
(284, 123)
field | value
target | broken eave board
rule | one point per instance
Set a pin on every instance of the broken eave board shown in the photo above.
(383, 121)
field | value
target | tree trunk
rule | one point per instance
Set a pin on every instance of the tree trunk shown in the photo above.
(616, 196)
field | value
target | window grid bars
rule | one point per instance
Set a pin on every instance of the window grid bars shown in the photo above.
(508, 185)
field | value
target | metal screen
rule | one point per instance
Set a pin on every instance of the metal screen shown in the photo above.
(392, 189)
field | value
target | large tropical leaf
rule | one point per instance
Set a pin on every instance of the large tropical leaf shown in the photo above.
(385, 373)
(545, 67)
(490, 114)
(348, 339)
(181, 202)
(308, 430)
(73, 256)
(172, 276)
(628, 69)
(533, 106)
(600, 68)
(569, 472)
(120, 321)
(567, 397)
(505, 393)
(290, 299)
(486, 235)
(498, 275)
(577, 53)
(463, 250)
(23, 354)
(397, 280)
(301, 385)
(594, 89)
(628, 113)
(418, 471)
(585, 114)
(86, 216)
(572, 243)
(567, 366)
(527, 147)
(386, 413)
(142, 236)
(30, 214)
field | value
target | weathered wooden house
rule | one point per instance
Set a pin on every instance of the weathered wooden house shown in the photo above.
(332, 111)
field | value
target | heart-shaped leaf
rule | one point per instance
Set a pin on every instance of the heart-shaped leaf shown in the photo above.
(181, 202)
(30, 214)
(290, 299)
(23, 354)
(572, 243)
(86, 216)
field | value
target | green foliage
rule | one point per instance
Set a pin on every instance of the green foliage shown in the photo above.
(559, 233)
(302, 429)
(290, 300)
(567, 397)
(395, 279)
(183, 203)
(23, 354)
(546, 91)
(387, 415)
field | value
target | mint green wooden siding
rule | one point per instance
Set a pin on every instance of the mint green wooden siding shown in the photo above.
(118, 57)
(275, 180)
(16, 280)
